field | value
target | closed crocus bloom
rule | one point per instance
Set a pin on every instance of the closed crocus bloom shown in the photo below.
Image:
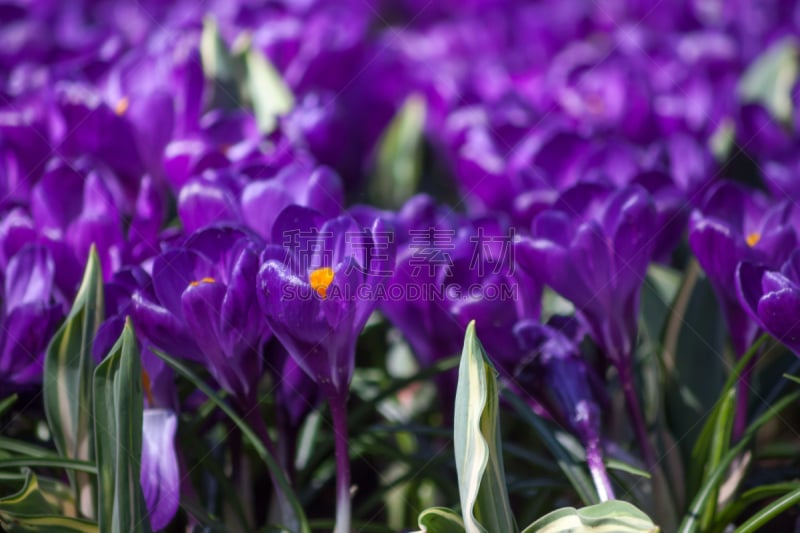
(30, 316)
(160, 477)
(318, 188)
(77, 208)
(771, 297)
(203, 307)
(593, 248)
(738, 224)
(426, 240)
(549, 370)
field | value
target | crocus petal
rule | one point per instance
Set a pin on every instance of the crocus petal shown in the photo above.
(778, 312)
(262, 202)
(29, 277)
(201, 307)
(159, 472)
(748, 287)
(163, 328)
(27, 330)
(202, 203)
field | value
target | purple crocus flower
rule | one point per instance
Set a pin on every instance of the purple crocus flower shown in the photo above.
(771, 297)
(593, 248)
(160, 477)
(222, 196)
(552, 373)
(203, 307)
(738, 224)
(310, 289)
(30, 315)
(317, 291)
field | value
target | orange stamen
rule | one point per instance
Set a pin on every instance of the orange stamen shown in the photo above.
(202, 280)
(320, 279)
(753, 238)
(122, 106)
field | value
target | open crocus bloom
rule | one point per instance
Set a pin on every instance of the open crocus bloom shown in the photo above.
(737, 224)
(318, 289)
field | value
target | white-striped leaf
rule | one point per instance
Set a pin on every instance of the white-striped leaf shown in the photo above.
(440, 520)
(613, 516)
(478, 451)
(118, 401)
(68, 380)
(29, 510)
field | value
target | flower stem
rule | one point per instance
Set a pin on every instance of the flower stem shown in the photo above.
(742, 401)
(338, 405)
(253, 418)
(594, 458)
(636, 415)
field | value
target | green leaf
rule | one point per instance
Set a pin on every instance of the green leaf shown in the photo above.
(440, 520)
(748, 498)
(29, 510)
(770, 78)
(614, 515)
(67, 384)
(694, 344)
(119, 402)
(219, 66)
(7, 402)
(720, 440)
(25, 448)
(572, 468)
(478, 449)
(249, 435)
(703, 445)
(772, 510)
(399, 163)
(712, 483)
(615, 464)
(49, 462)
(269, 94)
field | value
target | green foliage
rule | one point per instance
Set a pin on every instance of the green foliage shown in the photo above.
(399, 160)
(481, 476)
(68, 380)
(243, 77)
(476, 432)
(300, 523)
(118, 405)
(29, 510)
(769, 80)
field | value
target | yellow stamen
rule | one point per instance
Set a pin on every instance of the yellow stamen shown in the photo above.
(122, 106)
(147, 386)
(203, 280)
(753, 238)
(320, 279)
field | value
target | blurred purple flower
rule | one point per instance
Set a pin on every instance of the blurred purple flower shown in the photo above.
(30, 316)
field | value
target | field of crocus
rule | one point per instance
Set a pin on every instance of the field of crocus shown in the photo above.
(476, 266)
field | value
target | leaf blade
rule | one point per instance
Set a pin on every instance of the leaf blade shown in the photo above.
(67, 386)
(478, 454)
